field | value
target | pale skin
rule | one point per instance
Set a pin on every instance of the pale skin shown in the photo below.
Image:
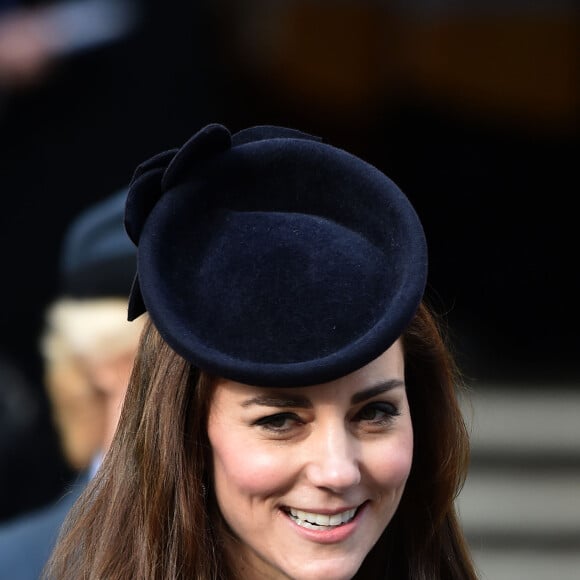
(308, 478)
(109, 376)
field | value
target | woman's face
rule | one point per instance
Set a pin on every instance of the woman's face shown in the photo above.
(308, 478)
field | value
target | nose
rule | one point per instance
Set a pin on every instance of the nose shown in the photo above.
(333, 460)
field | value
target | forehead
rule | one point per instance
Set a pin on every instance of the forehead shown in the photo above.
(387, 367)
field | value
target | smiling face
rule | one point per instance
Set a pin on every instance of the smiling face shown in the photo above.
(308, 478)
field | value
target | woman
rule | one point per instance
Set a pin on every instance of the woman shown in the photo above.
(292, 410)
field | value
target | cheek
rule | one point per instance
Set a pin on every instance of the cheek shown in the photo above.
(248, 468)
(391, 463)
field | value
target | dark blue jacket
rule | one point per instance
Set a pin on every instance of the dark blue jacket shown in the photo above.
(27, 541)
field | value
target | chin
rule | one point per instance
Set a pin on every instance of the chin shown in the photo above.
(338, 570)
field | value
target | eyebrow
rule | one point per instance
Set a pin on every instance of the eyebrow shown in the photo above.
(279, 401)
(375, 390)
(301, 402)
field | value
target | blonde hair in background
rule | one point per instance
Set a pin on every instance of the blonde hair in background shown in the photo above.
(87, 346)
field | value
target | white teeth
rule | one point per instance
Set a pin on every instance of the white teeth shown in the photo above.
(313, 520)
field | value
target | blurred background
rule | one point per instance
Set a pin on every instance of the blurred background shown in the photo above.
(471, 107)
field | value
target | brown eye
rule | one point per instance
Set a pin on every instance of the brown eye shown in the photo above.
(378, 412)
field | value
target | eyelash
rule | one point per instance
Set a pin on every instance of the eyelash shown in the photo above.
(388, 410)
(268, 422)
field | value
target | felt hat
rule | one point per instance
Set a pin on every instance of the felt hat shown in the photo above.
(271, 258)
(98, 259)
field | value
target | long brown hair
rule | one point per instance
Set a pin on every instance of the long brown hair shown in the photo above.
(149, 513)
(143, 516)
(424, 540)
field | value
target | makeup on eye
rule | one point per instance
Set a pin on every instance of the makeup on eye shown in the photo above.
(378, 412)
(279, 422)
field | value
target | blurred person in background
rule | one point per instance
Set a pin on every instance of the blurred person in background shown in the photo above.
(88, 348)
(80, 122)
(34, 39)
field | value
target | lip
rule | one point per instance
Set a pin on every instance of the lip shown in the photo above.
(333, 535)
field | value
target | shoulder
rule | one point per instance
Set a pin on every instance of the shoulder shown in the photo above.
(27, 541)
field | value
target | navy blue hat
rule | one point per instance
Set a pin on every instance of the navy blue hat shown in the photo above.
(270, 258)
(98, 259)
